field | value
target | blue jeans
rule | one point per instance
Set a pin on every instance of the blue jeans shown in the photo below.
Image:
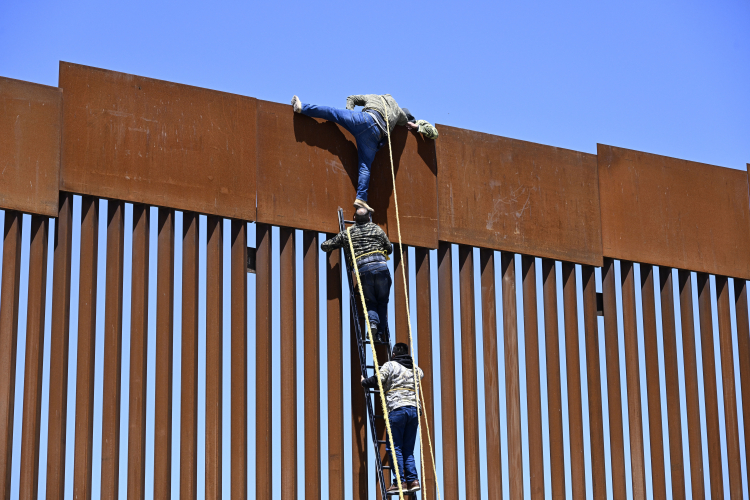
(404, 424)
(364, 129)
(376, 286)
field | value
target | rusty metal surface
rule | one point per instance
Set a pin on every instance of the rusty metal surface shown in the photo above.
(84, 423)
(692, 397)
(675, 213)
(311, 306)
(554, 386)
(400, 308)
(533, 380)
(215, 355)
(518, 196)
(189, 376)
(469, 372)
(596, 423)
(573, 364)
(110, 467)
(491, 378)
(264, 384)
(633, 380)
(59, 345)
(164, 346)
(30, 125)
(731, 426)
(671, 376)
(424, 351)
(307, 168)
(612, 350)
(32, 390)
(447, 371)
(743, 344)
(512, 375)
(238, 272)
(149, 141)
(9, 298)
(336, 471)
(653, 391)
(138, 353)
(360, 464)
(713, 436)
(288, 341)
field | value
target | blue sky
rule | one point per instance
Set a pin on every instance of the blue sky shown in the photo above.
(664, 77)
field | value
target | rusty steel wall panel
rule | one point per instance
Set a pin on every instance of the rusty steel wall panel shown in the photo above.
(311, 307)
(533, 379)
(596, 422)
(400, 308)
(653, 391)
(743, 344)
(215, 355)
(469, 372)
(512, 375)
(633, 380)
(730, 399)
(307, 168)
(288, 339)
(164, 348)
(149, 141)
(671, 377)
(491, 379)
(447, 371)
(84, 422)
(138, 353)
(424, 351)
(573, 362)
(518, 196)
(110, 467)
(189, 376)
(674, 213)
(264, 384)
(692, 396)
(59, 350)
(32, 390)
(30, 125)
(336, 468)
(9, 296)
(612, 353)
(713, 433)
(238, 272)
(360, 464)
(554, 387)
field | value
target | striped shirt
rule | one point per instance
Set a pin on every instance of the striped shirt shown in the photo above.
(366, 238)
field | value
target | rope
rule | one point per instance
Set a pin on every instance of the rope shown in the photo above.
(375, 363)
(417, 381)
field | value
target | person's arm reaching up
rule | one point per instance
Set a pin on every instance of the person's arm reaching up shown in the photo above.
(355, 100)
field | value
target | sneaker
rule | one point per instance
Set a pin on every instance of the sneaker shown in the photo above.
(394, 489)
(413, 485)
(296, 104)
(362, 204)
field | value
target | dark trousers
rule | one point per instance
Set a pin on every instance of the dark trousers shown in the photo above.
(376, 286)
(364, 129)
(404, 425)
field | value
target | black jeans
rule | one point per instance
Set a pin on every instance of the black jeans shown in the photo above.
(376, 286)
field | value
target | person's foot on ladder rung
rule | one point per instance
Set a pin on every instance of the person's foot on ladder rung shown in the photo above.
(296, 104)
(413, 485)
(394, 488)
(362, 204)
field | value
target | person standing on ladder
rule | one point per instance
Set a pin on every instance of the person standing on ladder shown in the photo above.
(397, 377)
(371, 248)
(368, 127)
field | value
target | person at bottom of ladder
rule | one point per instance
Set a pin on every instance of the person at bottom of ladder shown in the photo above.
(371, 248)
(368, 128)
(397, 377)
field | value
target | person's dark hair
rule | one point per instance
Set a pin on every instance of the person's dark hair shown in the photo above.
(400, 349)
(361, 216)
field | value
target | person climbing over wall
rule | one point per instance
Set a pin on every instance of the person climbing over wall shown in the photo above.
(371, 248)
(397, 377)
(368, 127)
